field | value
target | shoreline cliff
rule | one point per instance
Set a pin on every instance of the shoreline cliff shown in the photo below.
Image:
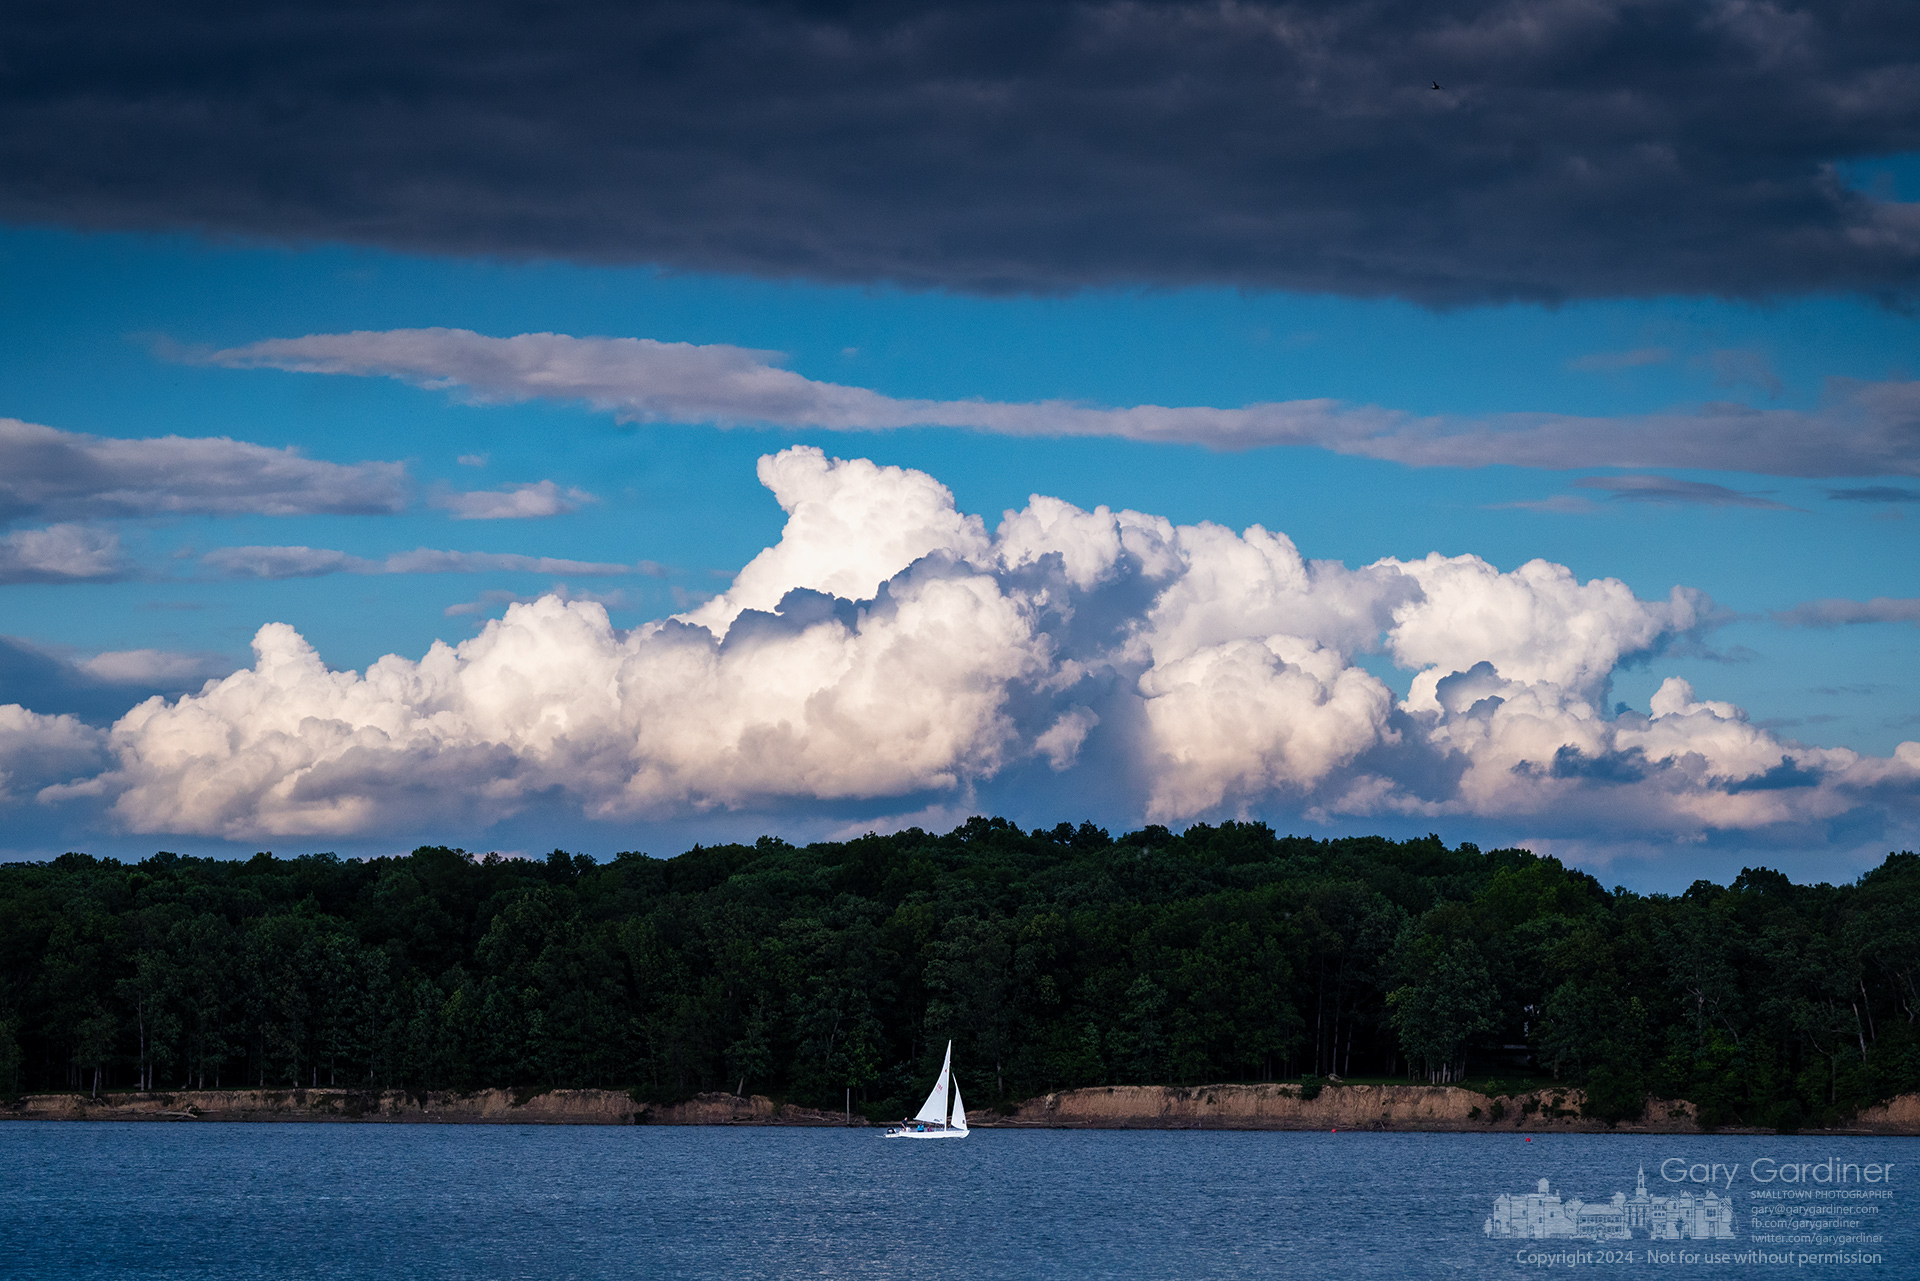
(1397, 1108)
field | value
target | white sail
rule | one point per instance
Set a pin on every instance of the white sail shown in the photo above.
(934, 1120)
(934, 1110)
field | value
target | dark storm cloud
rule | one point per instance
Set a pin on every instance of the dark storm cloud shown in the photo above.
(1574, 147)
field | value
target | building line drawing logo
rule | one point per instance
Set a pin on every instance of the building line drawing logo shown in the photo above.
(1543, 1214)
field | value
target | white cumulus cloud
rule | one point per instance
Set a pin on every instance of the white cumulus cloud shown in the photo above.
(851, 525)
(890, 648)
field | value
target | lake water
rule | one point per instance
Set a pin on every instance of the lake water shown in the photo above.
(83, 1200)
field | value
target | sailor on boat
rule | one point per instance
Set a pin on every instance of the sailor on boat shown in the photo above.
(935, 1120)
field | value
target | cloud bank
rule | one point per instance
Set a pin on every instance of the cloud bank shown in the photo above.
(1864, 429)
(60, 554)
(1667, 489)
(314, 562)
(1841, 613)
(1875, 494)
(516, 502)
(1574, 147)
(39, 751)
(98, 689)
(48, 474)
(891, 651)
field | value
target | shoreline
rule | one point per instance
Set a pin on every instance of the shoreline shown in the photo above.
(1387, 1108)
(339, 1104)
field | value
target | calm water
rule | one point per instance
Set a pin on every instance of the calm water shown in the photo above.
(82, 1200)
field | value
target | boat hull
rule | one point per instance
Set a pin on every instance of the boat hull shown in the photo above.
(926, 1134)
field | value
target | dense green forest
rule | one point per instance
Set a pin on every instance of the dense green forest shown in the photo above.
(1052, 959)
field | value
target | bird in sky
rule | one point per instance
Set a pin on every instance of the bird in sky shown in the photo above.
(1436, 84)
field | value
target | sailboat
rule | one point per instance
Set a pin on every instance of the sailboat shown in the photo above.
(935, 1120)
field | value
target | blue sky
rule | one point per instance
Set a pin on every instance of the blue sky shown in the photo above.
(92, 352)
(135, 310)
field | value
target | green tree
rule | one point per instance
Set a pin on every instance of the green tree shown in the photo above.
(1449, 1001)
(11, 1059)
(751, 1054)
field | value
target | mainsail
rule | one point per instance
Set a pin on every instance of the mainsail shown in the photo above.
(934, 1110)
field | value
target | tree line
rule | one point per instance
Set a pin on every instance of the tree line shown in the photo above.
(1051, 958)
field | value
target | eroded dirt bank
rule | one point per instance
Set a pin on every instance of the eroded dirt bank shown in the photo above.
(1142, 1107)
(1378, 1107)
